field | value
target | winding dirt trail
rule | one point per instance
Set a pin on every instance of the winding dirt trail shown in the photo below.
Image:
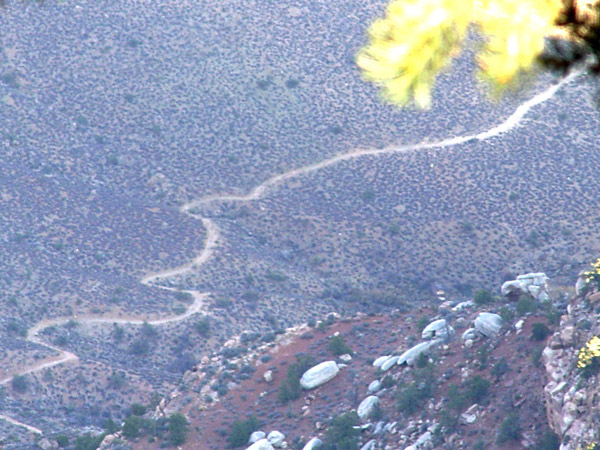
(213, 235)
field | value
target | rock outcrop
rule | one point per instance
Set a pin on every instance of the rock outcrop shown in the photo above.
(572, 404)
(319, 374)
(534, 284)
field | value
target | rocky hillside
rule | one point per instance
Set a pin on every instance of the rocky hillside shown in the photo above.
(572, 391)
(490, 373)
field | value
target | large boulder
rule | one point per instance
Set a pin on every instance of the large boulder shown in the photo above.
(374, 386)
(365, 409)
(389, 363)
(263, 444)
(256, 436)
(534, 284)
(275, 438)
(313, 444)
(438, 329)
(379, 361)
(319, 374)
(488, 324)
(411, 355)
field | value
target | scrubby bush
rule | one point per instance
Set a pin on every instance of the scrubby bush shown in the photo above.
(338, 347)
(290, 388)
(540, 331)
(20, 383)
(548, 441)
(422, 323)
(483, 297)
(476, 389)
(510, 429)
(525, 305)
(202, 327)
(341, 434)
(500, 368)
(241, 431)
(178, 429)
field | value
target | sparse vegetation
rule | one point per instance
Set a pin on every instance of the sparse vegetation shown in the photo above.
(241, 431)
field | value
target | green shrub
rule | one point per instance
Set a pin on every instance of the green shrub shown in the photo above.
(456, 399)
(178, 429)
(132, 426)
(62, 440)
(341, 434)
(241, 431)
(548, 441)
(137, 409)
(510, 429)
(20, 383)
(338, 347)
(202, 327)
(476, 389)
(525, 305)
(88, 442)
(507, 314)
(540, 331)
(422, 323)
(500, 368)
(483, 297)
(290, 388)
(536, 356)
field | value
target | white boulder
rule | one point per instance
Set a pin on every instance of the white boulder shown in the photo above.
(319, 374)
(365, 409)
(488, 324)
(412, 354)
(389, 363)
(256, 436)
(313, 444)
(275, 438)
(438, 329)
(374, 386)
(379, 361)
(263, 444)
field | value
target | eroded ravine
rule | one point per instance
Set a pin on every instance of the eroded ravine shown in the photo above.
(213, 235)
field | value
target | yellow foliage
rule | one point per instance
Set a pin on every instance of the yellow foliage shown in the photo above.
(418, 38)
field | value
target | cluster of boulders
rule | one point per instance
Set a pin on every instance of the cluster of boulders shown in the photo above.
(259, 440)
(533, 284)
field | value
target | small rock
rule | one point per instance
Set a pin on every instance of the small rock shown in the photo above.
(268, 376)
(365, 409)
(256, 436)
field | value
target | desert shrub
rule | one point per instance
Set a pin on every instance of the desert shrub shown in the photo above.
(412, 397)
(338, 347)
(525, 305)
(137, 409)
(341, 434)
(422, 323)
(456, 398)
(500, 368)
(20, 383)
(178, 429)
(88, 442)
(483, 297)
(241, 431)
(540, 331)
(548, 441)
(202, 327)
(132, 426)
(510, 429)
(387, 382)
(507, 314)
(62, 440)
(476, 389)
(290, 388)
